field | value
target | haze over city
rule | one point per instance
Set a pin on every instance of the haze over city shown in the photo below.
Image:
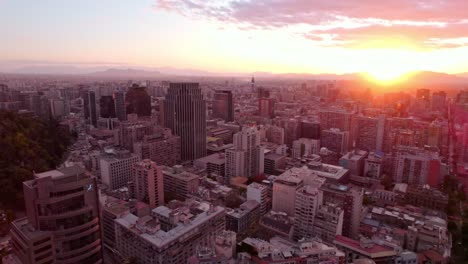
(236, 36)
(233, 132)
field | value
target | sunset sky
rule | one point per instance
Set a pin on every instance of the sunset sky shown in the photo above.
(310, 36)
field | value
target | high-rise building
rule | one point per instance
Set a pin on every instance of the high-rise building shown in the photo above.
(284, 193)
(246, 157)
(148, 183)
(179, 184)
(370, 133)
(162, 148)
(90, 107)
(62, 222)
(438, 101)
(350, 199)
(169, 235)
(335, 140)
(328, 222)
(131, 132)
(373, 165)
(275, 134)
(59, 107)
(417, 166)
(292, 129)
(424, 94)
(310, 129)
(120, 110)
(335, 119)
(307, 200)
(137, 101)
(107, 106)
(185, 115)
(354, 161)
(259, 193)
(305, 147)
(116, 168)
(223, 105)
(266, 107)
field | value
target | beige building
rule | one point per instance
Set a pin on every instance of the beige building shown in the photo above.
(147, 182)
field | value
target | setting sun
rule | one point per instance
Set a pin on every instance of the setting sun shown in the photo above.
(386, 76)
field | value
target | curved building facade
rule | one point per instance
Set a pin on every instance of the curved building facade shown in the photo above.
(62, 223)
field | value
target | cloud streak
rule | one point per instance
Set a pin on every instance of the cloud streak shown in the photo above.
(422, 23)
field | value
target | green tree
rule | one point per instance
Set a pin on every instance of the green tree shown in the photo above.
(27, 145)
(387, 181)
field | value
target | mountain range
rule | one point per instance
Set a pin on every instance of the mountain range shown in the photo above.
(146, 72)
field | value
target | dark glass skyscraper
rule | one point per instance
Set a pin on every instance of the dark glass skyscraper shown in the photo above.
(185, 115)
(107, 106)
(119, 100)
(90, 108)
(138, 101)
(223, 106)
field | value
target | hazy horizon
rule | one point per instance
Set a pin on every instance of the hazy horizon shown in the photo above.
(313, 37)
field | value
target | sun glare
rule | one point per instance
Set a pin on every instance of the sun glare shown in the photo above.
(386, 76)
(387, 66)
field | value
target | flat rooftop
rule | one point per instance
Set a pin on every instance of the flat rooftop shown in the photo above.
(162, 238)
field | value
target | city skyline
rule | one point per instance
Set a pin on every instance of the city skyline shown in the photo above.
(237, 36)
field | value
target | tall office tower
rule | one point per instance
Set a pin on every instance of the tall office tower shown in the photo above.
(305, 147)
(107, 106)
(284, 193)
(169, 235)
(116, 168)
(266, 107)
(148, 183)
(354, 162)
(438, 101)
(90, 108)
(246, 157)
(335, 140)
(259, 193)
(350, 200)
(307, 199)
(62, 219)
(179, 184)
(275, 134)
(310, 129)
(33, 103)
(262, 92)
(120, 110)
(292, 129)
(370, 133)
(335, 119)
(423, 100)
(223, 105)
(162, 148)
(328, 222)
(185, 115)
(417, 166)
(423, 94)
(137, 101)
(59, 107)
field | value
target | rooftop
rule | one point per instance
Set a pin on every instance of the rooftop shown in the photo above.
(160, 238)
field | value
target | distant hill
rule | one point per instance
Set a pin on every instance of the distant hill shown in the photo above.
(436, 77)
(463, 74)
(125, 73)
(54, 69)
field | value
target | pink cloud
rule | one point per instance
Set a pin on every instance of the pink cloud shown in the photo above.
(425, 22)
